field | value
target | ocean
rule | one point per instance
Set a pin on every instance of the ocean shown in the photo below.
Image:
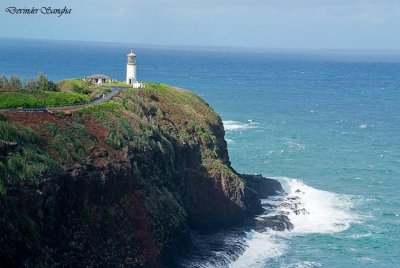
(325, 123)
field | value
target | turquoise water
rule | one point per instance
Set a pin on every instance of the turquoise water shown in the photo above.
(324, 122)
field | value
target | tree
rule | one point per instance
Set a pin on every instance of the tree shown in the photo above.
(3, 82)
(15, 83)
(44, 84)
(31, 85)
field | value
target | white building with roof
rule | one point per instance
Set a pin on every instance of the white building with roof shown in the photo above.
(98, 79)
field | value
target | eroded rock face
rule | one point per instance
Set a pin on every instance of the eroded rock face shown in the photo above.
(265, 187)
(276, 223)
(118, 183)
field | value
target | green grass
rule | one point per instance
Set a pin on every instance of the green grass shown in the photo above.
(25, 161)
(156, 86)
(102, 110)
(109, 114)
(68, 143)
(118, 84)
(38, 99)
(76, 85)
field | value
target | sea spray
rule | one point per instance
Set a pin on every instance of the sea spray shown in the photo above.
(325, 212)
(230, 125)
(310, 211)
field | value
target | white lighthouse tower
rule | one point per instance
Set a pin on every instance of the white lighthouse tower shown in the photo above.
(131, 69)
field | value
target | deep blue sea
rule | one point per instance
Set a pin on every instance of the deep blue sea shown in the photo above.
(326, 123)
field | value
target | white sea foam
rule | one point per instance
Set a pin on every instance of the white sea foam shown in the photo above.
(363, 126)
(231, 125)
(324, 212)
(303, 264)
(327, 212)
(358, 236)
(294, 145)
(261, 247)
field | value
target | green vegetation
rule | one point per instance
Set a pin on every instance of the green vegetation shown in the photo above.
(68, 145)
(40, 98)
(117, 183)
(102, 110)
(42, 92)
(38, 93)
(156, 86)
(14, 83)
(193, 114)
(25, 160)
(109, 114)
(42, 83)
(76, 85)
(118, 84)
(80, 86)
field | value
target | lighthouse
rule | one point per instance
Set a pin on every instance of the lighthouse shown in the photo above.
(131, 69)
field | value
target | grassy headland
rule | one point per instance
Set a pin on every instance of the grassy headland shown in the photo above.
(42, 92)
(117, 183)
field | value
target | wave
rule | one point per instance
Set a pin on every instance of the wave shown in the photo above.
(294, 145)
(230, 125)
(303, 264)
(325, 211)
(260, 248)
(366, 126)
(309, 210)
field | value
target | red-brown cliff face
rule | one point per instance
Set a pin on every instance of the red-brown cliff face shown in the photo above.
(117, 183)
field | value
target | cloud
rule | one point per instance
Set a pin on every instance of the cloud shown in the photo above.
(271, 23)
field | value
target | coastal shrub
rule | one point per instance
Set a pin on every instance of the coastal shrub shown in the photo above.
(156, 86)
(101, 110)
(23, 160)
(14, 83)
(42, 83)
(3, 82)
(59, 148)
(68, 143)
(27, 164)
(121, 133)
(20, 135)
(59, 114)
(31, 85)
(40, 99)
(45, 84)
(75, 85)
(97, 92)
(52, 128)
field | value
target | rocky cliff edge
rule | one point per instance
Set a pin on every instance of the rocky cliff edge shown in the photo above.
(117, 183)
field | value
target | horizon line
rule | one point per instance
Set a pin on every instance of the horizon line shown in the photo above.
(218, 47)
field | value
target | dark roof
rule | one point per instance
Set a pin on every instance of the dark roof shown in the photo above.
(98, 76)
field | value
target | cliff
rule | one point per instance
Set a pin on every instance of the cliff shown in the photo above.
(116, 183)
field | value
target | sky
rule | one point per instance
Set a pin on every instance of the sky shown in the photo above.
(308, 24)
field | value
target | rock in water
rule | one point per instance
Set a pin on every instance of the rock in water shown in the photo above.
(264, 187)
(276, 223)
